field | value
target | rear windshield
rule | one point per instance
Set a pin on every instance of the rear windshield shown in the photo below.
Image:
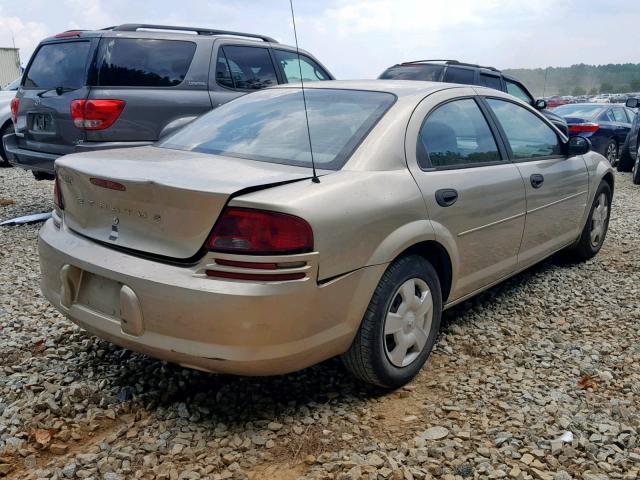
(414, 71)
(138, 62)
(270, 126)
(58, 65)
(581, 111)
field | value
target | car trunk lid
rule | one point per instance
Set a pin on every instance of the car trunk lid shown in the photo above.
(155, 200)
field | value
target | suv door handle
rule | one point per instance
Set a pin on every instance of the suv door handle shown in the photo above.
(446, 197)
(536, 180)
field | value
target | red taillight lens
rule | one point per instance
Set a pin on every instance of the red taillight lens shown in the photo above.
(68, 34)
(258, 232)
(57, 195)
(15, 105)
(584, 128)
(95, 114)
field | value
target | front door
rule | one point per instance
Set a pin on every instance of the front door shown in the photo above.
(473, 194)
(556, 185)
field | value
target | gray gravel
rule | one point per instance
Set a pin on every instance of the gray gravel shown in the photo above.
(554, 350)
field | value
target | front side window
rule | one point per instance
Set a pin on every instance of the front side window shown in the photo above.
(311, 71)
(630, 114)
(491, 81)
(528, 135)
(460, 75)
(619, 116)
(270, 126)
(142, 62)
(58, 65)
(456, 134)
(518, 92)
(249, 68)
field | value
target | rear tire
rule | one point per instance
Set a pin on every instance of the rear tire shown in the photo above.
(595, 229)
(6, 130)
(400, 326)
(611, 152)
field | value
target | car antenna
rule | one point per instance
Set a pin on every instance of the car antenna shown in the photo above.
(315, 178)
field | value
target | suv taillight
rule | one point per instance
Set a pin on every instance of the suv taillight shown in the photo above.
(57, 194)
(259, 232)
(95, 114)
(15, 105)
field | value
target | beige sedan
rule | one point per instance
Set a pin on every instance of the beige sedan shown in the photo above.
(218, 248)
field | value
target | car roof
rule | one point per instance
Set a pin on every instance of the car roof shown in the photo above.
(400, 88)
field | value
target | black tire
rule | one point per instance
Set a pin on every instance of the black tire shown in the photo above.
(611, 152)
(367, 358)
(6, 129)
(42, 175)
(625, 161)
(635, 172)
(584, 248)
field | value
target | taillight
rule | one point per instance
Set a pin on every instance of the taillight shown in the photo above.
(15, 105)
(95, 114)
(57, 195)
(258, 232)
(584, 128)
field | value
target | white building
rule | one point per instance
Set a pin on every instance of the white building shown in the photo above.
(9, 65)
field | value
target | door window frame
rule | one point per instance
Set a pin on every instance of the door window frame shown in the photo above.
(502, 151)
(483, 99)
(214, 64)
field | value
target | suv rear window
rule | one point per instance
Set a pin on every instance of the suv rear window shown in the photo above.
(414, 71)
(460, 75)
(270, 126)
(138, 62)
(58, 65)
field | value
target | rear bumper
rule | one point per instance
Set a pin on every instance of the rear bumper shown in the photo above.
(184, 317)
(43, 161)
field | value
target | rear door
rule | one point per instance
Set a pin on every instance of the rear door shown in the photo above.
(55, 76)
(621, 124)
(162, 80)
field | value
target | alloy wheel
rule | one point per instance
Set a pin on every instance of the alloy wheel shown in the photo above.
(612, 153)
(408, 322)
(599, 220)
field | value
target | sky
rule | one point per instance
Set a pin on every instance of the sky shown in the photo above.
(361, 38)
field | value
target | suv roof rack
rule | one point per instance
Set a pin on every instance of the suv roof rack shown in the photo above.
(453, 62)
(132, 27)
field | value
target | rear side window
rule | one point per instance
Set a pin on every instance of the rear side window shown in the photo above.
(606, 116)
(414, 71)
(491, 81)
(58, 65)
(456, 134)
(517, 91)
(460, 75)
(311, 71)
(528, 135)
(142, 62)
(247, 68)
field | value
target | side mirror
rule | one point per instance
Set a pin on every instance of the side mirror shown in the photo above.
(578, 146)
(540, 104)
(633, 103)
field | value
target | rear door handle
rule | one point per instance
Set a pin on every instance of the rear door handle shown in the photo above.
(536, 180)
(446, 197)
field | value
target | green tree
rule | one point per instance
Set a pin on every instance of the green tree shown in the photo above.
(593, 91)
(578, 90)
(606, 87)
(635, 84)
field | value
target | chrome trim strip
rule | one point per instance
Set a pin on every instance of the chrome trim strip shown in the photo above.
(497, 222)
(557, 201)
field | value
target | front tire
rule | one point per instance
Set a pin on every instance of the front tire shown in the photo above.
(400, 326)
(611, 152)
(595, 230)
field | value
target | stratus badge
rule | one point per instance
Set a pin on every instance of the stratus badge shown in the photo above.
(114, 229)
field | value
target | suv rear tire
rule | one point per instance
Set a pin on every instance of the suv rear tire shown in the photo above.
(6, 129)
(400, 326)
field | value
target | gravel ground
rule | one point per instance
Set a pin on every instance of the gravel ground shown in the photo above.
(555, 349)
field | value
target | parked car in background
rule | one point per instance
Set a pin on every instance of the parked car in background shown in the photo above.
(216, 249)
(6, 124)
(556, 101)
(132, 84)
(13, 86)
(605, 125)
(453, 71)
(630, 152)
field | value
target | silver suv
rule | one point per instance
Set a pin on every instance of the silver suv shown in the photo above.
(131, 84)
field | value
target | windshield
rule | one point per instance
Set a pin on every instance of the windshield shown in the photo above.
(270, 126)
(581, 111)
(414, 71)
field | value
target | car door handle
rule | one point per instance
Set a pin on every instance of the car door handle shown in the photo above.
(536, 180)
(446, 197)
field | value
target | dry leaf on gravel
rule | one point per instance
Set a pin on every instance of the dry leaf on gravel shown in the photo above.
(43, 437)
(5, 201)
(587, 382)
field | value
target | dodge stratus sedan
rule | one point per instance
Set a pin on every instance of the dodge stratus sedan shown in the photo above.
(218, 248)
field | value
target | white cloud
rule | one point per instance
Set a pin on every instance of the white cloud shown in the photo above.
(26, 35)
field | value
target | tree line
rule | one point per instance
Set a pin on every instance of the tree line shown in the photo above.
(580, 79)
